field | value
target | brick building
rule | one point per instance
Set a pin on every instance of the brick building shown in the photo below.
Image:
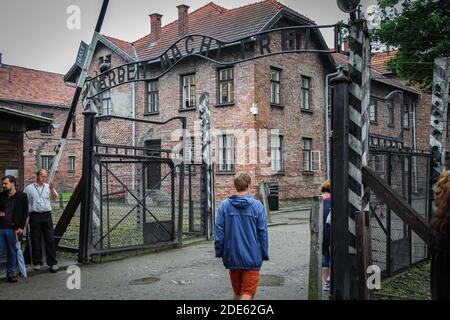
(282, 144)
(402, 120)
(44, 94)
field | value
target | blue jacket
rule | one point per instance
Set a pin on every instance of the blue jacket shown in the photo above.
(241, 237)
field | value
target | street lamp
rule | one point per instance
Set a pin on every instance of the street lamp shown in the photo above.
(349, 6)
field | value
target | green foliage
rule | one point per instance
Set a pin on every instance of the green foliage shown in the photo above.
(420, 30)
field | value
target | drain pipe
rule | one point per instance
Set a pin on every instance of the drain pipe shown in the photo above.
(327, 129)
(133, 130)
(416, 182)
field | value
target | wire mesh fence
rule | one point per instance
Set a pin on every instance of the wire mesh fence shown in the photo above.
(394, 245)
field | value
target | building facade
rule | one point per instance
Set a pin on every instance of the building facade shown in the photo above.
(43, 94)
(283, 144)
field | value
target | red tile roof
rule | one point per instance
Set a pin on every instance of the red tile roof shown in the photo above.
(376, 72)
(211, 20)
(34, 86)
(379, 60)
(123, 45)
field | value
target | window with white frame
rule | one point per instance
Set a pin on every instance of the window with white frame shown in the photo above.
(306, 97)
(277, 153)
(71, 164)
(188, 88)
(226, 153)
(373, 110)
(406, 116)
(152, 96)
(311, 158)
(275, 86)
(226, 85)
(46, 162)
(106, 102)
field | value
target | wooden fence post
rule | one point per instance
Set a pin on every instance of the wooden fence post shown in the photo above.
(264, 195)
(315, 250)
(61, 201)
(363, 252)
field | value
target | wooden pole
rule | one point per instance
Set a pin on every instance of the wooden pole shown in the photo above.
(363, 253)
(315, 250)
(263, 191)
(61, 201)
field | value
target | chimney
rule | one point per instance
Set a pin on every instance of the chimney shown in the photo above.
(183, 19)
(155, 24)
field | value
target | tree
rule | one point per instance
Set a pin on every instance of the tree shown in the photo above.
(420, 30)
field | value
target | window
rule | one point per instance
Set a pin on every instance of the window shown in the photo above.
(152, 96)
(71, 164)
(390, 106)
(406, 116)
(379, 163)
(226, 153)
(74, 126)
(290, 40)
(106, 103)
(277, 153)
(373, 110)
(190, 148)
(226, 85)
(311, 158)
(47, 130)
(104, 59)
(275, 86)
(306, 105)
(188, 87)
(46, 162)
(307, 148)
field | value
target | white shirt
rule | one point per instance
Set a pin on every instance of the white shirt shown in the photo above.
(39, 197)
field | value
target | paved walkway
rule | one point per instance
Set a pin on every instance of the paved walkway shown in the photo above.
(191, 272)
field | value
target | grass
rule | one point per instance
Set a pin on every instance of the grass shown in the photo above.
(66, 196)
(127, 232)
(413, 284)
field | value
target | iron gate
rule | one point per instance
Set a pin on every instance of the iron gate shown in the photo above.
(394, 245)
(143, 193)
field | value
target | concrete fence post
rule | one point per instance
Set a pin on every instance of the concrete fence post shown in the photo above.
(315, 250)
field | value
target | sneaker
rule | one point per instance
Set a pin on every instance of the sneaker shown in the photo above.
(37, 267)
(326, 286)
(12, 279)
(54, 268)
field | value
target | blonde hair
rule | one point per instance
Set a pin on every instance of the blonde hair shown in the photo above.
(325, 186)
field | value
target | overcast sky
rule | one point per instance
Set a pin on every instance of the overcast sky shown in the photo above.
(34, 34)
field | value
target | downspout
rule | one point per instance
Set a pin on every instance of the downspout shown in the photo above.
(414, 142)
(327, 129)
(133, 133)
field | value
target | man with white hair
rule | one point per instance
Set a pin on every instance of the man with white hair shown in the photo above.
(40, 195)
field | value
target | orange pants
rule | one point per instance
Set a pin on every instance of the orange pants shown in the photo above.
(244, 281)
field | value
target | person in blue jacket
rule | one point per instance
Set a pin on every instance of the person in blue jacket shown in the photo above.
(241, 238)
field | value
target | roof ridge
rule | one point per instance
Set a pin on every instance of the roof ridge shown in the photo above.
(276, 4)
(31, 69)
(209, 4)
(117, 39)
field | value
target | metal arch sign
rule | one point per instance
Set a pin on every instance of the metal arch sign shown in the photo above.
(292, 40)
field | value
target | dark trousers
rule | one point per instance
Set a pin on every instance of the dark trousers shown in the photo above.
(41, 226)
(8, 240)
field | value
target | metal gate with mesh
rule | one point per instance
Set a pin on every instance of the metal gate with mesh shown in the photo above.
(143, 193)
(394, 245)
